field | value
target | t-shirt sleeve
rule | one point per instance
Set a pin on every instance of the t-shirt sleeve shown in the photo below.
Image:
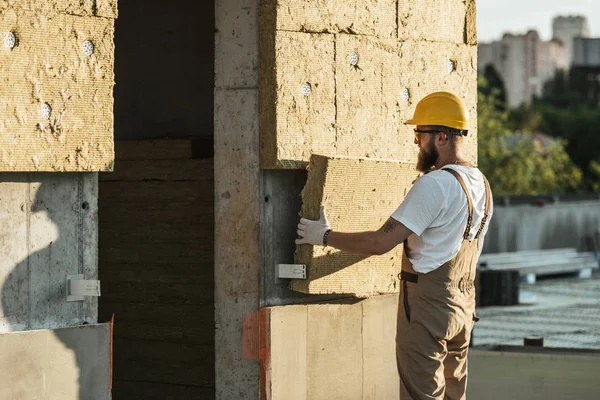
(422, 205)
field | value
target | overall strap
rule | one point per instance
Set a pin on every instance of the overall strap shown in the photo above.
(488, 195)
(469, 200)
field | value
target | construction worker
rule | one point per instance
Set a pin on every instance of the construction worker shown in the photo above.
(442, 223)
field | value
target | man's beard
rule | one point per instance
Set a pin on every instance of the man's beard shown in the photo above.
(427, 159)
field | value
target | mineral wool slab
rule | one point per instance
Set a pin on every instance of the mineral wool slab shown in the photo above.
(434, 21)
(426, 67)
(364, 17)
(362, 91)
(367, 90)
(47, 7)
(471, 23)
(297, 115)
(57, 95)
(359, 195)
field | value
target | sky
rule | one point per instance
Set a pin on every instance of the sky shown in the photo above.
(495, 17)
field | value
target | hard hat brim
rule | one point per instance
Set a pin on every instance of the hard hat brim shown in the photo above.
(461, 125)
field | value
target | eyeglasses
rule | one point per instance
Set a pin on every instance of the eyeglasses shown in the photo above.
(418, 132)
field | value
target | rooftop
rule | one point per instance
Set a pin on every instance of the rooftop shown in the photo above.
(564, 311)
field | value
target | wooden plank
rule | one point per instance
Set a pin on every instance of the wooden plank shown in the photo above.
(177, 363)
(133, 390)
(161, 170)
(195, 332)
(151, 253)
(157, 292)
(171, 209)
(158, 233)
(155, 192)
(132, 215)
(166, 273)
(164, 149)
(158, 314)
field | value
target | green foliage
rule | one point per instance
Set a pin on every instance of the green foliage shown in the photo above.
(568, 110)
(516, 164)
(595, 171)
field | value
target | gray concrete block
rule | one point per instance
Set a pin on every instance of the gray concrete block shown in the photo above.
(380, 380)
(55, 222)
(289, 363)
(334, 352)
(331, 351)
(68, 364)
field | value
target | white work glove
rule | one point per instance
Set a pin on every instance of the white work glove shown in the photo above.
(312, 232)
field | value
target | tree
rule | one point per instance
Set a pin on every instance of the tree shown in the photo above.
(514, 164)
(495, 85)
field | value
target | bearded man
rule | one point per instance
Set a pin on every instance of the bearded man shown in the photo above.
(442, 223)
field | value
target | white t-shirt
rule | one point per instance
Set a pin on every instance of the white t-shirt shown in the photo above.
(436, 210)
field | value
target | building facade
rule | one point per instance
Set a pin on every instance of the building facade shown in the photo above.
(524, 62)
(568, 28)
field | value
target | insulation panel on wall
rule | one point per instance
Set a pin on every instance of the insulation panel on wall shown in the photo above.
(371, 17)
(57, 94)
(360, 195)
(439, 20)
(350, 95)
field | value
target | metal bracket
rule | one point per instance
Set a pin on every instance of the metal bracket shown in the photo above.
(78, 288)
(291, 271)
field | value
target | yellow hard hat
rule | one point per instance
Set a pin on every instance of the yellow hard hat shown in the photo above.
(441, 108)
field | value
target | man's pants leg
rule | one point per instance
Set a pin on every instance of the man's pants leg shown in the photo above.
(420, 358)
(455, 365)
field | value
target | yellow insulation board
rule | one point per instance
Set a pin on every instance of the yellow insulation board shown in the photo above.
(100, 8)
(432, 20)
(49, 70)
(362, 91)
(360, 195)
(364, 17)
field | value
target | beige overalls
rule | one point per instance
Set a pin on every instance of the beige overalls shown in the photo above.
(435, 318)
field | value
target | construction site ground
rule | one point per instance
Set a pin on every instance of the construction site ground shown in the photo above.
(564, 310)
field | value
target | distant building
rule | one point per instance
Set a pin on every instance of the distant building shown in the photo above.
(524, 62)
(586, 53)
(568, 28)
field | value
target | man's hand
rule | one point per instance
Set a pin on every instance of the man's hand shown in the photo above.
(312, 232)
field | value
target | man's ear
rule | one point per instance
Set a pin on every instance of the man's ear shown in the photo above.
(443, 138)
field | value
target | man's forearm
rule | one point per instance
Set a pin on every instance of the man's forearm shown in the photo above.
(366, 243)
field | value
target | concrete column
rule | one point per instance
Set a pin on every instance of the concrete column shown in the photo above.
(237, 195)
(50, 231)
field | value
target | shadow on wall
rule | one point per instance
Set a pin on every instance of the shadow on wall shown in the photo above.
(44, 237)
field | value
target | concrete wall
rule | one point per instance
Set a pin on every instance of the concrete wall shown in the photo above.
(68, 364)
(237, 195)
(56, 101)
(50, 231)
(529, 227)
